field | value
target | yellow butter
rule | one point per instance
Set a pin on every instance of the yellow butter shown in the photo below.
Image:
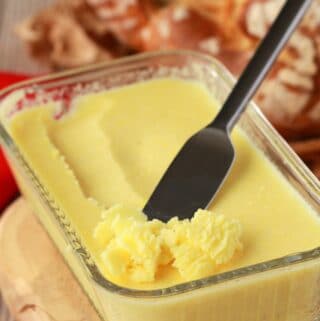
(135, 248)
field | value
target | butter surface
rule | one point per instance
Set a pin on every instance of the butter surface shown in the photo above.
(113, 147)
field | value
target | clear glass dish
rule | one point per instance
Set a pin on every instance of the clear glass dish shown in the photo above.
(281, 289)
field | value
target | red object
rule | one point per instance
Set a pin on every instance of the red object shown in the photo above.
(7, 79)
(8, 187)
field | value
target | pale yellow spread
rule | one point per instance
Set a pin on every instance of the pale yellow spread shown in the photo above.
(101, 161)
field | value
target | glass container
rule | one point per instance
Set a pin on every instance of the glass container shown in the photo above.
(286, 288)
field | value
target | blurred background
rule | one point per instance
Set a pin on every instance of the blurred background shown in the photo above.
(42, 36)
(14, 57)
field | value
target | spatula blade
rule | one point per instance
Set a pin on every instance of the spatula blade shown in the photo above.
(194, 176)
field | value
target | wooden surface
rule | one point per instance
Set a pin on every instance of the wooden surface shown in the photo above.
(4, 311)
(13, 54)
(35, 281)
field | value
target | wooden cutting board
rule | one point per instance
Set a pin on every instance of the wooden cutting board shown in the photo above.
(4, 312)
(34, 279)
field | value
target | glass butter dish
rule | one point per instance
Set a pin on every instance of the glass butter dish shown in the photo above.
(283, 289)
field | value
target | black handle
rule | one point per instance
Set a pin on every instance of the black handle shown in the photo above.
(257, 69)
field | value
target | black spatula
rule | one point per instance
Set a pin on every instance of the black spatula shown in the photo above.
(203, 163)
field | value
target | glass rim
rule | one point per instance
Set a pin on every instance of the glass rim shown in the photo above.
(293, 162)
